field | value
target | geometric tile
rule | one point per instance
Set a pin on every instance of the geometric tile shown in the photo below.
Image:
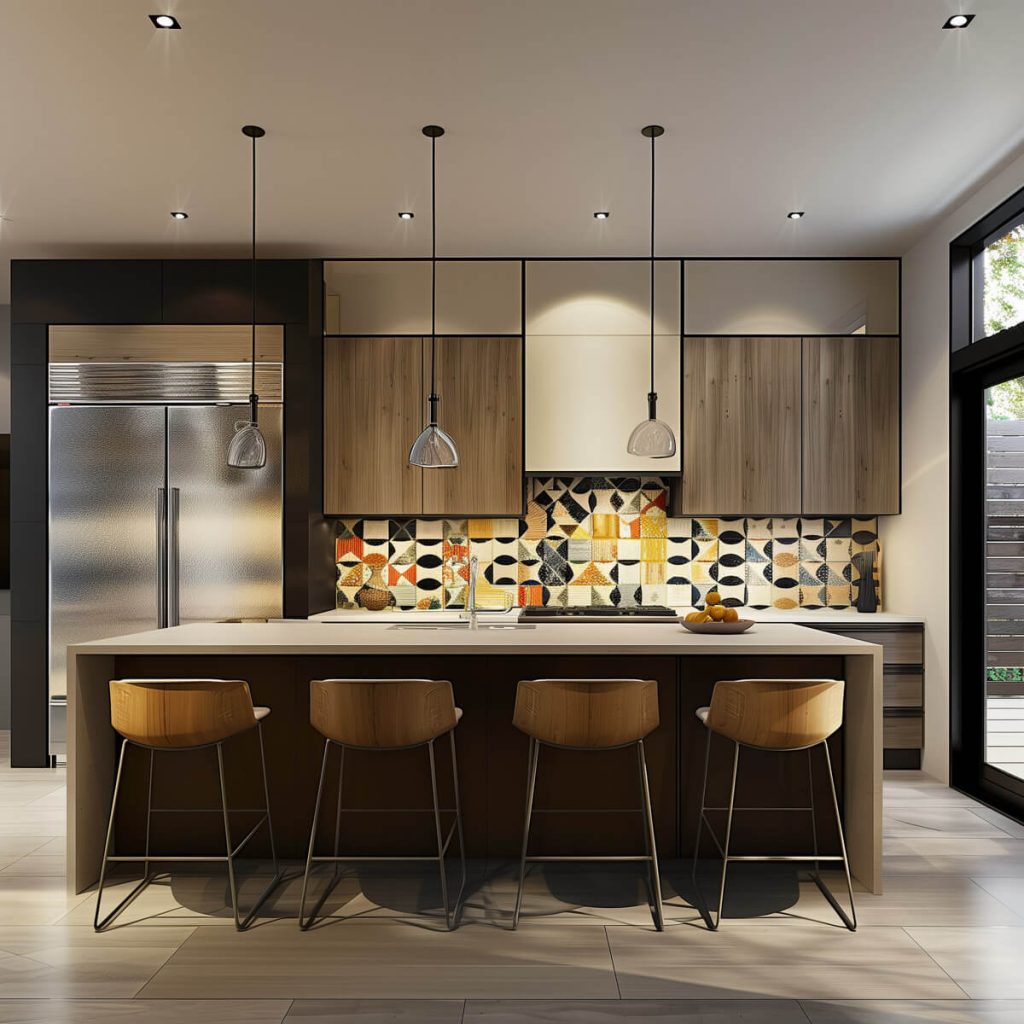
(592, 540)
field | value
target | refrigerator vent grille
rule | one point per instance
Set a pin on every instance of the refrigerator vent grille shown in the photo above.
(161, 383)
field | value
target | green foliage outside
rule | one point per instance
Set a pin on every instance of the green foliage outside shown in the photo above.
(1004, 281)
(1005, 675)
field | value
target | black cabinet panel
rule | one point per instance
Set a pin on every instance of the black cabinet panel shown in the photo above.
(28, 344)
(85, 291)
(30, 705)
(30, 582)
(29, 456)
(218, 291)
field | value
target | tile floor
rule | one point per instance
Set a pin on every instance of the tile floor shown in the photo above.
(944, 944)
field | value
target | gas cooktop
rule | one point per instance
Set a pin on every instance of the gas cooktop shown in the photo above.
(635, 613)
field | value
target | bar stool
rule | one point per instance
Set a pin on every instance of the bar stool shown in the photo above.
(589, 714)
(780, 715)
(178, 715)
(385, 714)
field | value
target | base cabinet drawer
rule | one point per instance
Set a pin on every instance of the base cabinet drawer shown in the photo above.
(903, 690)
(901, 646)
(904, 732)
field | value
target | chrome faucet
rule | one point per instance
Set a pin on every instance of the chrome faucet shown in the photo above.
(474, 563)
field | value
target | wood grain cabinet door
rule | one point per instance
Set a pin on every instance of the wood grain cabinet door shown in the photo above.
(741, 426)
(851, 440)
(374, 407)
(480, 381)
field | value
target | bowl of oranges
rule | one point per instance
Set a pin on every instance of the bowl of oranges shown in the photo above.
(715, 617)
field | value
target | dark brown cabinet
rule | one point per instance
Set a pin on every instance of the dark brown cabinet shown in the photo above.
(741, 426)
(375, 402)
(851, 425)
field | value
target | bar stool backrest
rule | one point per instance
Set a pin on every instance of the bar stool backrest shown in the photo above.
(180, 712)
(379, 713)
(587, 713)
(777, 714)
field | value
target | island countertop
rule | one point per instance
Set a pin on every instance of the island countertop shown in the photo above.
(303, 637)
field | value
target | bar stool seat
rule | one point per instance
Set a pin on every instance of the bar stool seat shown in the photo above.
(781, 715)
(178, 715)
(589, 714)
(384, 714)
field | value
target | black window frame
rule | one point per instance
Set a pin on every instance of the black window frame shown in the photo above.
(976, 362)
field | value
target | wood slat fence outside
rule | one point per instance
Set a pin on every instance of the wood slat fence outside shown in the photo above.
(1004, 566)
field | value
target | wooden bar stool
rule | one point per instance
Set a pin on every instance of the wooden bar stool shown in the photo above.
(178, 715)
(385, 714)
(780, 715)
(589, 714)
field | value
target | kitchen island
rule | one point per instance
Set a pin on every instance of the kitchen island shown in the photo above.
(278, 659)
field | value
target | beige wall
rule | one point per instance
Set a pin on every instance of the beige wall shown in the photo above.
(917, 542)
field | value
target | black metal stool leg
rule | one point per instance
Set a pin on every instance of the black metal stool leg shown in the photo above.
(458, 823)
(440, 836)
(728, 837)
(531, 784)
(850, 923)
(654, 876)
(98, 924)
(227, 838)
(304, 922)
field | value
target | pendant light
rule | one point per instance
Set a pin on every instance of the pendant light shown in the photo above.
(248, 447)
(433, 449)
(652, 438)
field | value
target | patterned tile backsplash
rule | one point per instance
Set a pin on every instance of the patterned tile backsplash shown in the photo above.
(598, 541)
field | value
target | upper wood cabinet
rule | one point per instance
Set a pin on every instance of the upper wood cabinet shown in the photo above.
(851, 429)
(741, 427)
(480, 381)
(375, 404)
(373, 409)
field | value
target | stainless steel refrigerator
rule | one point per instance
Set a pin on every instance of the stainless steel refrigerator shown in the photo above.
(149, 527)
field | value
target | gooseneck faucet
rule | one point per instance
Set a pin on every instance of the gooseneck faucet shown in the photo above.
(471, 591)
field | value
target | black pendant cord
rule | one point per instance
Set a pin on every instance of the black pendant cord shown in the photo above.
(652, 264)
(433, 267)
(253, 398)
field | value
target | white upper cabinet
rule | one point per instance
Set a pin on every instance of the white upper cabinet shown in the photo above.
(791, 297)
(600, 297)
(587, 363)
(388, 297)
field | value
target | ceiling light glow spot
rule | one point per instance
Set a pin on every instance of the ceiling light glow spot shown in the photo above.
(179, 215)
(164, 21)
(795, 214)
(405, 215)
(959, 21)
(601, 215)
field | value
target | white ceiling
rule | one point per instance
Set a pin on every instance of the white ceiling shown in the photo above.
(862, 112)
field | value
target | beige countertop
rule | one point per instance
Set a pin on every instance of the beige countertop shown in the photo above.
(356, 637)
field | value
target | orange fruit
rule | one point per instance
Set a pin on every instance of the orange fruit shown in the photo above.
(731, 615)
(717, 612)
(714, 597)
(703, 617)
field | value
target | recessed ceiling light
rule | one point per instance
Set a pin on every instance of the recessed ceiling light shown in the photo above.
(959, 21)
(179, 215)
(405, 215)
(795, 214)
(601, 215)
(164, 21)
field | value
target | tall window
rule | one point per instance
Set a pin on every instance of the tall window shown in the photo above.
(999, 282)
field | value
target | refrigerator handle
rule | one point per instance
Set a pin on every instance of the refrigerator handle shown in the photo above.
(161, 557)
(173, 604)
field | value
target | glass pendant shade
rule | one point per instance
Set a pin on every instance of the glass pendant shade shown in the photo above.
(433, 449)
(652, 438)
(248, 447)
